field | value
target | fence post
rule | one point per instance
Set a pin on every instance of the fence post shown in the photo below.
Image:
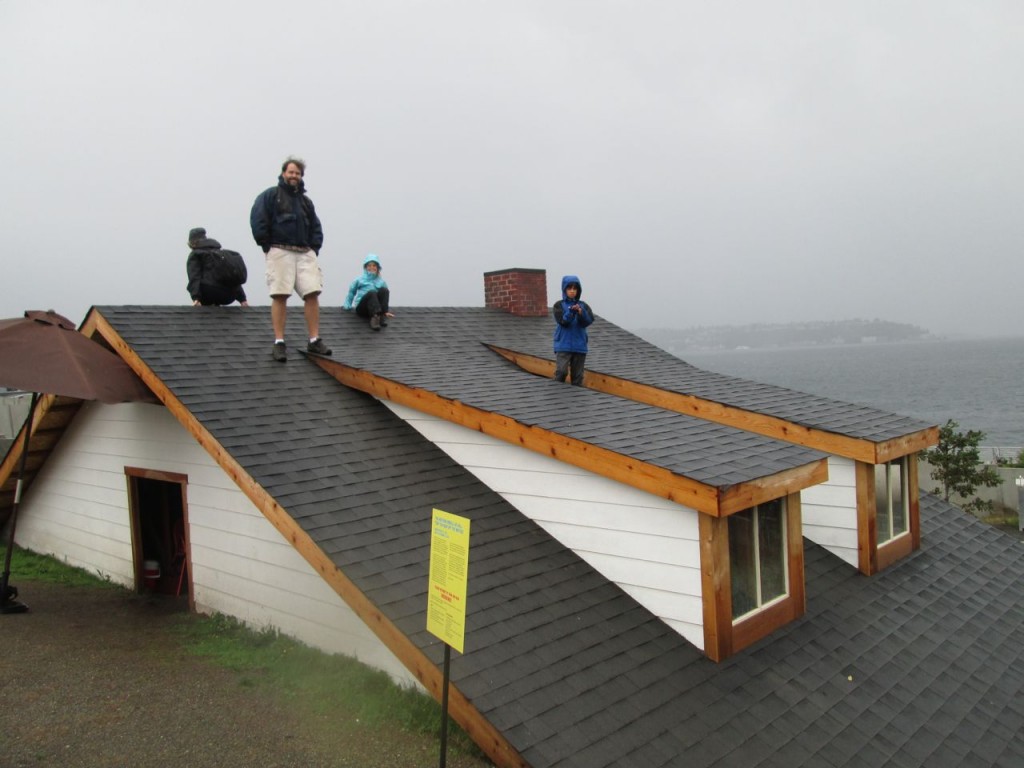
(1020, 503)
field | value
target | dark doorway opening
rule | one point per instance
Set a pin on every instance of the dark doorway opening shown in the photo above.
(159, 532)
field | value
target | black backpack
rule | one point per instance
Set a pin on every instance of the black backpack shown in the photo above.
(228, 267)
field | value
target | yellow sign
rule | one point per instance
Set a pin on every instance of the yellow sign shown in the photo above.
(449, 564)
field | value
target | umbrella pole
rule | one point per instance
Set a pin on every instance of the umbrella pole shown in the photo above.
(8, 603)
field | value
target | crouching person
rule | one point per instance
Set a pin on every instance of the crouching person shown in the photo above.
(215, 274)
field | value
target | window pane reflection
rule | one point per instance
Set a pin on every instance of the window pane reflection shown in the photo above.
(891, 504)
(757, 556)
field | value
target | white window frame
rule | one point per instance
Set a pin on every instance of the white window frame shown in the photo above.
(886, 486)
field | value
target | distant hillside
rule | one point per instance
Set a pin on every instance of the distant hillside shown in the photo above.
(766, 335)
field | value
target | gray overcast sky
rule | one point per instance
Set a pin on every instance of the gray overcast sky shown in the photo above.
(695, 163)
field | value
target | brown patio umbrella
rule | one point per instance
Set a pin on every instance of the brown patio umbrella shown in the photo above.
(43, 353)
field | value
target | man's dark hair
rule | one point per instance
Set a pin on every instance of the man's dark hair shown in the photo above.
(297, 161)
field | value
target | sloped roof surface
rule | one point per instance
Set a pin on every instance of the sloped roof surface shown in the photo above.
(442, 350)
(572, 670)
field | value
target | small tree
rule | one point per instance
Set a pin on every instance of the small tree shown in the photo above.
(956, 465)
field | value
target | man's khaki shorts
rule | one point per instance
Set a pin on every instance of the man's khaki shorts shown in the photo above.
(289, 271)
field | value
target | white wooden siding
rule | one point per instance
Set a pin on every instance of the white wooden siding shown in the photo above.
(77, 510)
(829, 510)
(647, 545)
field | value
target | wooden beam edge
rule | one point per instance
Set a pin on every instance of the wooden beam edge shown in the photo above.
(859, 449)
(716, 597)
(867, 551)
(785, 483)
(628, 470)
(906, 445)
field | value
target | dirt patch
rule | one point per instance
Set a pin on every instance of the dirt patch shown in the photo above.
(92, 676)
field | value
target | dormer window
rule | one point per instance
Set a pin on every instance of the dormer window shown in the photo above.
(752, 567)
(888, 512)
(892, 500)
(757, 557)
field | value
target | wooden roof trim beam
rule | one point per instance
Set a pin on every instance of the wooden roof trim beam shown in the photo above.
(906, 445)
(785, 483)
(469, 718)
(858, 449)
(96, 325)
(627, 470)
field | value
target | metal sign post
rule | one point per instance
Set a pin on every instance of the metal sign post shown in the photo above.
(444, 704)
(1020, 503)
(446, 597)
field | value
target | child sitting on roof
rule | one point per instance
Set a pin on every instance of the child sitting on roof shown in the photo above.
(572, 317)
(369, 294)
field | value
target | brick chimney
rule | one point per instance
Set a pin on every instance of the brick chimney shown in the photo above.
(521, 292)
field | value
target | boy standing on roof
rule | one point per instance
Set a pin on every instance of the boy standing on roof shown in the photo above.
(572, 317)
(369, 294)
(285, 225)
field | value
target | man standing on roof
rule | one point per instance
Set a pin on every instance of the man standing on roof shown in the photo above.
(572, 317)
(285, 225)
(215, 274)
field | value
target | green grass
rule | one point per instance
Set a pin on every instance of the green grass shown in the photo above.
(29, 565)
(326, 683)
(1003, 519)
(318, 682)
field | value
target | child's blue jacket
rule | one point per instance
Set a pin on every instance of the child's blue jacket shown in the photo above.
(365, 283)
(571, 327)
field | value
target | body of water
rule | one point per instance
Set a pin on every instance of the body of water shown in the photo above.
(978, 383)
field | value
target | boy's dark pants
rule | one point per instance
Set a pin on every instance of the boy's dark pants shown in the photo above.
(373, 303)
(571, 362)
(213, 295)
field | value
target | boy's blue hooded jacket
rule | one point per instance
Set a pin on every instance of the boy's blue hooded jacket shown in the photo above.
(571, 328)
(365, 283)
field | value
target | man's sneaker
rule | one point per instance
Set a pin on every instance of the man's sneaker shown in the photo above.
(280, 352)
(375, 322)
(317, 347)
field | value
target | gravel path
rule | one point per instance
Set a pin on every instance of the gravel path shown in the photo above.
(95, 677)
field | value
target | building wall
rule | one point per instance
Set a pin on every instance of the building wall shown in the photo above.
(647, 545)
(830, 510)
(77, 510)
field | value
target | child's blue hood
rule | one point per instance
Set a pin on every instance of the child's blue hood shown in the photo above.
(373, 257)
(572, 279)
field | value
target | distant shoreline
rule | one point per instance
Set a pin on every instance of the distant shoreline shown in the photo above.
(814, 334)
(652, 336)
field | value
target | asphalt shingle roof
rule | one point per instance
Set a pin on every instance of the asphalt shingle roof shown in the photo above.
(442, 350)
(919, 666)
